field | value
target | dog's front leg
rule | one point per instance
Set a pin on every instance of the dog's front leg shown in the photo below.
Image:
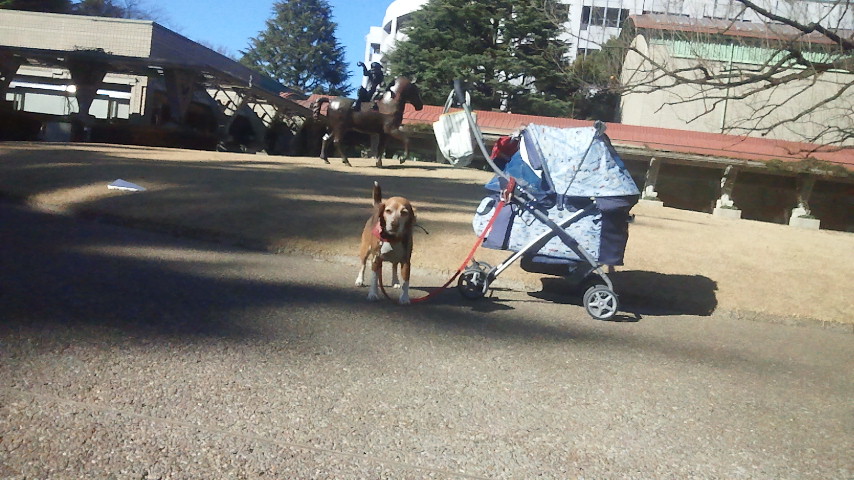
(360, 278)
(404, 288)
(395, 282)
(404, 293)
(374, 290)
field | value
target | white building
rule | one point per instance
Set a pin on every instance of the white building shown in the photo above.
(380, 40)
(590, 23)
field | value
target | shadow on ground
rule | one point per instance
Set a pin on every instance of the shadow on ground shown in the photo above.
(69, 282)
(236, 199)
(644, 293)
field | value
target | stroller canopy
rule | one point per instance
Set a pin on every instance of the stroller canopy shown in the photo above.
(577, 162)
(563, 168)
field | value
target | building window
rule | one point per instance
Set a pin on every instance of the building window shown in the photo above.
(612, 17)
(387, 28)
(603, 17)
(561, 11)
(112, 109)
(17, 100)
(403, 21)
(597, 16)
(375, 48)
(725, 10)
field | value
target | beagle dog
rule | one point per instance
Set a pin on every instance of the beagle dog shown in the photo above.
(387, 237)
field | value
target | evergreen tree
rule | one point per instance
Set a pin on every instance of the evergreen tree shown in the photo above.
(594, 83)
(299, 48)
(99, 8)
(508, 51)
(50, 6)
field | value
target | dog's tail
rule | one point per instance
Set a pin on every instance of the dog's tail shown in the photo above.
(378, 194)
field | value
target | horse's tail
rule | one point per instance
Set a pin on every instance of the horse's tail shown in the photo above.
(315, 107)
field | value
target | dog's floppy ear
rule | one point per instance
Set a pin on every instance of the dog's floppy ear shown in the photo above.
(412, 217)
(379, 210)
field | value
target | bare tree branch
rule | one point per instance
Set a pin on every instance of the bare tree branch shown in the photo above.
(793, 77)
(846, 44)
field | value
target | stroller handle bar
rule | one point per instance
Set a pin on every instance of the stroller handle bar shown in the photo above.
(460, 93)
(462, 97)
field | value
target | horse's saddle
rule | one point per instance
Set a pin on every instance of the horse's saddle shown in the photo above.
(365, 106)
(368, 102)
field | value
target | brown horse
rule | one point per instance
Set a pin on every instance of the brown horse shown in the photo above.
(385, 121)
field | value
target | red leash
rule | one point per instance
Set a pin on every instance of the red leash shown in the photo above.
(504, 200)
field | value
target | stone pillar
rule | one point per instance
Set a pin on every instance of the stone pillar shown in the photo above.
(219, 101)
(649, 196)
(180, 86)
(801, 216)
(87, 75)
(228, 103)
(237, 106)
(235, 101)
(9, 65)
(138, 99)
(724, 206)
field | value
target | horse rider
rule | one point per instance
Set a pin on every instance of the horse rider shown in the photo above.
(375, 79)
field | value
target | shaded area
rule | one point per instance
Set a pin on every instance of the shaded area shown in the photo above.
(645, 293)
(221, 198)
(54, 274)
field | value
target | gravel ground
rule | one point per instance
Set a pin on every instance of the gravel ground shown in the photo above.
(131, 355)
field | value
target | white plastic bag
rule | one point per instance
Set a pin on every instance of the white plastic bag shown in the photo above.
(454, 137)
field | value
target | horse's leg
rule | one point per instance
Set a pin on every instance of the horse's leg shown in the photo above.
(381, 142)
(405, 156)
(396, 133)
(324, 145)
(339, 142)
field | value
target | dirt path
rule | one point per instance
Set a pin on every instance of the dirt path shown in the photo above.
(677, 261)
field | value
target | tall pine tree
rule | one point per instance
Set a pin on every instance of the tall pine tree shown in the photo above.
(100, 8)
(96, 8)
(509, 52)
(51, 6)
(299, 48)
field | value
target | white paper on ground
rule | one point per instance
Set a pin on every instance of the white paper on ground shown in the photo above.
(120, 184)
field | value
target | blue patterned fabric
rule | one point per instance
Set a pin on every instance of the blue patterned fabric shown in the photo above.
(525, 227)
(578, 163)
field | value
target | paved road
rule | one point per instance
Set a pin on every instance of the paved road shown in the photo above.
(126, 354)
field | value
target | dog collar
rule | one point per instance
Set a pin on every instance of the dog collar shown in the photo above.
(382, 234)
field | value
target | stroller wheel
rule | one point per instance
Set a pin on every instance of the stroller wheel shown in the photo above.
(600, 302)
(472, 284)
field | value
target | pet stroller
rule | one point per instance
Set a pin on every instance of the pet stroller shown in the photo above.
(561, 204)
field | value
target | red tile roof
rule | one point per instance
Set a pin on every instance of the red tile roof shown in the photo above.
(656, 139)
(671, 23)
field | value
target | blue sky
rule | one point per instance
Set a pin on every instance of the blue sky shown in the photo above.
(230, 25)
